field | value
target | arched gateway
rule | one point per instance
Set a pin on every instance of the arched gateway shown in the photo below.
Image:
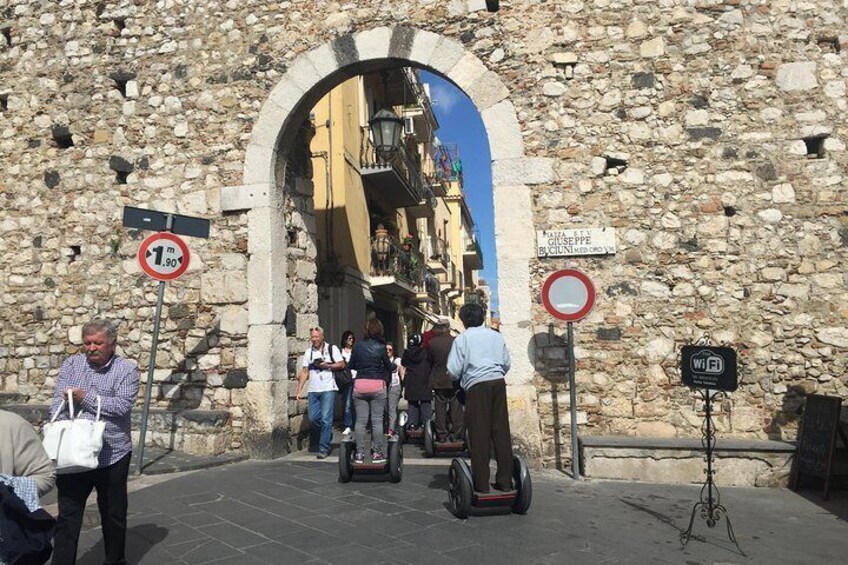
(307, 79)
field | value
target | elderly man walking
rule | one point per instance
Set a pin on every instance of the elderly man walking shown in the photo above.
(97, 372)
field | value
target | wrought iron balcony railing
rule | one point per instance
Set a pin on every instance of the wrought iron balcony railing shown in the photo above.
(401, 261)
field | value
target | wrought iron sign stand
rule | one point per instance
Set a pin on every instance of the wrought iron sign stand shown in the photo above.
(712, 372)
(712, 510)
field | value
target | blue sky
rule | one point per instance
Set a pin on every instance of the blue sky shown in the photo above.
(460, 123)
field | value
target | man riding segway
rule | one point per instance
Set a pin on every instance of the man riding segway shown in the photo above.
(479, 361)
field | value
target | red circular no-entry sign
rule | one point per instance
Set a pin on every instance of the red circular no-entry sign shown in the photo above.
(163, 256)
(568, 295)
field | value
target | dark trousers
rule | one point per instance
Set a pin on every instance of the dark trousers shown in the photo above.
(488, 426)
(447, 406)
(111, 485)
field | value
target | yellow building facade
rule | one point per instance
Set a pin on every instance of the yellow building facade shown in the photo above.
(392, 231)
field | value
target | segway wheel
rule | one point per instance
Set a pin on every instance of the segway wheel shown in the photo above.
(460, 490)
(523, 484)
(395, 461)
(346, 461)
(429, 438)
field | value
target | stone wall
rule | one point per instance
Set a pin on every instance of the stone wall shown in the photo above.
(710, 134)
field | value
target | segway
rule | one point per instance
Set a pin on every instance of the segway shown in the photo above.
(405, 435)
(393, 467)
(463, 497)
(432, 447)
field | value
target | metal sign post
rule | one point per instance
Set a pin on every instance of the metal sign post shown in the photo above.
(569, 295)
(151, 366)
(572, 395)
(162, 256)
(711, 371)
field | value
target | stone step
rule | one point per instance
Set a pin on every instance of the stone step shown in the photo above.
(197, 432)
(738, 462)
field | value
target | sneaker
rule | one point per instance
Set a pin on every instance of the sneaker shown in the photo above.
(359, 457)
(322, 454)
(377, 457)
(347, 431)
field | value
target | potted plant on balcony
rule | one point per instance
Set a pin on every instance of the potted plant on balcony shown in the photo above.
(407, 242)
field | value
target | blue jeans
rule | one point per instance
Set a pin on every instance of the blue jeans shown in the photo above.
(321, 419)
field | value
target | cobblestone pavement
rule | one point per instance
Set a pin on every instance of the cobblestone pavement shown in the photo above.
(294, 510)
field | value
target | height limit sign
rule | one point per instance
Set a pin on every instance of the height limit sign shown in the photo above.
(163, 256)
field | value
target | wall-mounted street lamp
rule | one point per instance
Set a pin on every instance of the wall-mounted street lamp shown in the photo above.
(386, 129)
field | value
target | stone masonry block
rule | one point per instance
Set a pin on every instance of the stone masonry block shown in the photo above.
(515, 304)
(447, 53)
(488, 90)
(268, 124)
(286, 94)
(267, 352)
(373, 44)
(513, 222)
(323, 60)
(259, 163)
(526, 170)
(423, 46)
(501, 122)
(228, 287)
(267, 228)
(244, 197)
(467, 72)
(303, 73)
(266, 288)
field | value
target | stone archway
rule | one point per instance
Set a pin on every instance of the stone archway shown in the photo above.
(309, 77)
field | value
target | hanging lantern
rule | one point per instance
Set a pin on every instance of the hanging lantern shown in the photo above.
(386, 129)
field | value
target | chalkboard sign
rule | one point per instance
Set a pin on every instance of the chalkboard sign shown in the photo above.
(817, 441)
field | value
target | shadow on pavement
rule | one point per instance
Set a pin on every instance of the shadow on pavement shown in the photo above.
(140, 540)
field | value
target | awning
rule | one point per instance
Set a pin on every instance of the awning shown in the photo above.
(456, 326)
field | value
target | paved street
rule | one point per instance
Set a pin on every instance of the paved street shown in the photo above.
(293, 510)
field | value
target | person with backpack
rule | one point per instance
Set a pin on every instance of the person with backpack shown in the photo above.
(318, 364)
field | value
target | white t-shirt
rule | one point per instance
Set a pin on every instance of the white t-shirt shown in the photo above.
(395, 373)
(346, 356)
(321, 381)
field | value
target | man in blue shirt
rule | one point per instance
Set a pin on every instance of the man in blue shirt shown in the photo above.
(479, 360)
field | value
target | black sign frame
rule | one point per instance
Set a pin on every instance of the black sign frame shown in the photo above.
(703, 366)
(142, 219)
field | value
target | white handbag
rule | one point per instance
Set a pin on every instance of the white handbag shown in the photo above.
(74, 445)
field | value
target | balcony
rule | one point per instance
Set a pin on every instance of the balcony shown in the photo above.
(399, 271)
(428, 289)
(426, 208)
(450, 284)
(472, 255)
(439, 256)
(396, 178)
